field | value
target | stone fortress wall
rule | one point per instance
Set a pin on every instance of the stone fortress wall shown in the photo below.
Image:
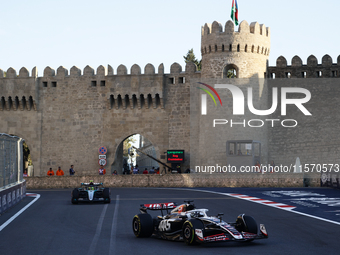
(247, 49)
(315, 140)
(312, 69)
(66, 115)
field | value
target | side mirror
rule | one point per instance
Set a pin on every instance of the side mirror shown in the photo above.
(220, 216)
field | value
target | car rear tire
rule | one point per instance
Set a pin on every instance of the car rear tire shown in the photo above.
(142, 225)
(189, 228)
(75, 196)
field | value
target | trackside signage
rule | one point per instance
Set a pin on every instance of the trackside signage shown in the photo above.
(175, 156)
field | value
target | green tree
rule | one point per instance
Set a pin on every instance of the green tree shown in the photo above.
(231, 73)
(190, 57)
(127, 144)
(27, 153)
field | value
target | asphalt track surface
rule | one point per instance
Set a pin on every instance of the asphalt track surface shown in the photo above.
(52, 225)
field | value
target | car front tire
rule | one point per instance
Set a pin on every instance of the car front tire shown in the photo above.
(188, 231)
(106, 195)
(75, 196)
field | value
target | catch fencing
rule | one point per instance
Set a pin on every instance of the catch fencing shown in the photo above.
(12, 184)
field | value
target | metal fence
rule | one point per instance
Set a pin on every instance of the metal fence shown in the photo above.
(11, 158)
(330, 179)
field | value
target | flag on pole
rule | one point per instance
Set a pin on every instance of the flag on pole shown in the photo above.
(234, 12)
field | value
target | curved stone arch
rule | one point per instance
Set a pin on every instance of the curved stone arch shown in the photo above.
(175, 68)
(126, 135)
(11, 73)
(16, 102)
(244, 27)
(75, 71)
(161, 69)
(206, 29)
(216, 27)
(101, 70)
(62, 71)
(229, 27)
(281, 61)
(263, 30)
(312, 61)
(190, 67)
(48, 71)
(149, 69)
(88, 71)
(10, 103)
(296, 61)
(327, 60)
(23, 73)
(228, 67)
(255, 28)
(2, 102)
(135, 70)
(121, 70)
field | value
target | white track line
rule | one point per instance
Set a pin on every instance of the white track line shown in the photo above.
(114, 227)
(98, 231)
(285, 209)
(37, 196)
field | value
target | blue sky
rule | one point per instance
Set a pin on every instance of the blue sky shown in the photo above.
(66, 33)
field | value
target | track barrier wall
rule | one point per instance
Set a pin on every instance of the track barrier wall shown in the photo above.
(12, 184)
(179, 180)
(12, 195)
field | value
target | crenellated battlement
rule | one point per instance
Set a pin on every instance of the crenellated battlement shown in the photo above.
(244, 52)
(65, 115)
(135, 90)
(312, 69)
(149, 69)
(253, 38)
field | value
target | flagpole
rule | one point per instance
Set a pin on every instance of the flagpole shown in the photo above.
(234, 11)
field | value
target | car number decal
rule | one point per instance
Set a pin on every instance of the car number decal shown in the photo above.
(164, 225)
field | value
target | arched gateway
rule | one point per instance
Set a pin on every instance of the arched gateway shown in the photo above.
(71, 115)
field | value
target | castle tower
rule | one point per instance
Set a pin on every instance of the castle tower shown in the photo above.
(244, 53)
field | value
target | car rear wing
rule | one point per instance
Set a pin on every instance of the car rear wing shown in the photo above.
(157, 206)
(91, 184)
